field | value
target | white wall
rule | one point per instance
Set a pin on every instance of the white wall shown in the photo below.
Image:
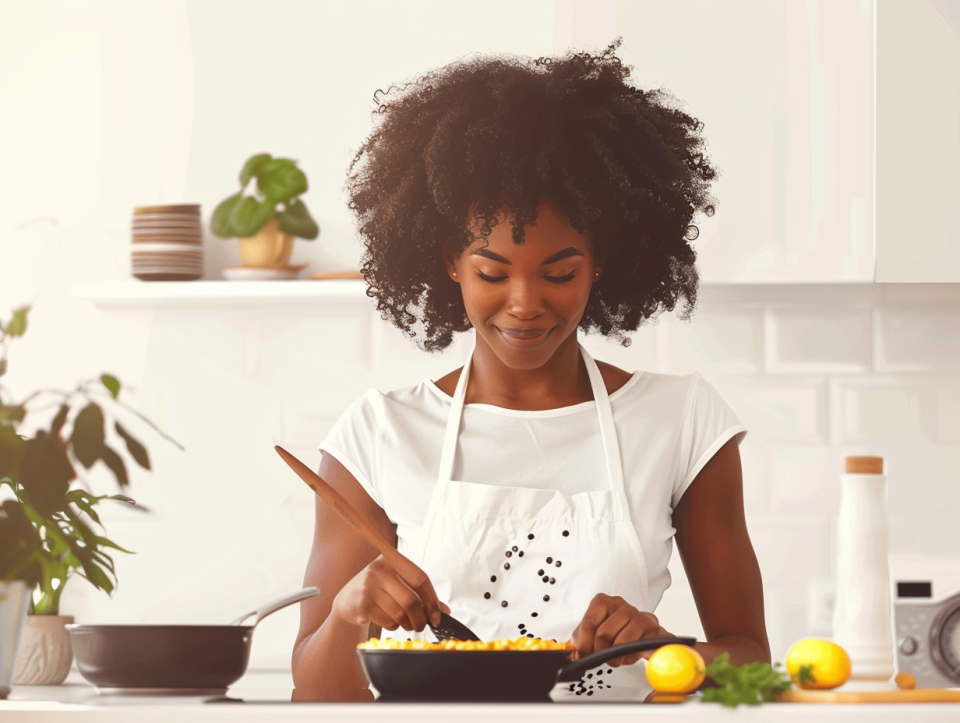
(107, 105)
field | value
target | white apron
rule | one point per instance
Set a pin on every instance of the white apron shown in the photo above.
(513, 561)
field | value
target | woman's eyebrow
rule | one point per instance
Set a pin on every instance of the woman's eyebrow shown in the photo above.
(567, 252)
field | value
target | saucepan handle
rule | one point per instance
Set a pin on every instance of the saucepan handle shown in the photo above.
(274, 605)
(573, 671)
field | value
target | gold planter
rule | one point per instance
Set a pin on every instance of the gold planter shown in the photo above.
(267, 248)
(45, 653)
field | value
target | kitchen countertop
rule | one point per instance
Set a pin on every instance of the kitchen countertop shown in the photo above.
(266, 695)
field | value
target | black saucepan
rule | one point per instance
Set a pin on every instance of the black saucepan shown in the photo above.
(486, 674)
(183, 659)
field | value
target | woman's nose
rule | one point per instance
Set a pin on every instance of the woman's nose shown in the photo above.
(525, 300)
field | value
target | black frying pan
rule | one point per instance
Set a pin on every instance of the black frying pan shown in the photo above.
(164, 659)
(486, 674)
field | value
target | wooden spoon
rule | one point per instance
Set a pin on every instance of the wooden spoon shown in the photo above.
(449, 628)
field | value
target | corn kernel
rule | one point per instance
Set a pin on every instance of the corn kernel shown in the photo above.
(521, 643)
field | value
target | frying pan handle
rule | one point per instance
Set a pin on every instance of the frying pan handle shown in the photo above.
(278, 603)
(573, 671)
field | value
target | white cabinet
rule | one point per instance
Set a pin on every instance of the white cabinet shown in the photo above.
(785, 90)
(918, 140)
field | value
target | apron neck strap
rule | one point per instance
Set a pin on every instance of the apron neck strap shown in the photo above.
(608, 432)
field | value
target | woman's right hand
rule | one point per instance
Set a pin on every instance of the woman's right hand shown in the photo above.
(378, 595)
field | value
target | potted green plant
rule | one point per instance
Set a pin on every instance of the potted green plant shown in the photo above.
(267, 213)
(50, 531)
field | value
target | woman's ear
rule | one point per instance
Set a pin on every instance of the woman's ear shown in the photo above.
(451, 267)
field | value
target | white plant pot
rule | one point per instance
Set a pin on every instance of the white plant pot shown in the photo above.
(45, 653)
(14, 601)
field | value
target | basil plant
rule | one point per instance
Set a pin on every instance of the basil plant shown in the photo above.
(275, 192)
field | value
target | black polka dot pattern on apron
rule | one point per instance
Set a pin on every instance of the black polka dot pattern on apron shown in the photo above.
(541, 573)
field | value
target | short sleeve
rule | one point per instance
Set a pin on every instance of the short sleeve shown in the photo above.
(354, 441)
(708, 424)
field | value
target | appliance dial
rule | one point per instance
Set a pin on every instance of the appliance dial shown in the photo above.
(908, 645)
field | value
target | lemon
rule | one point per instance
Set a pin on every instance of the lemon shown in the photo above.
(675, 669)
(818, 664)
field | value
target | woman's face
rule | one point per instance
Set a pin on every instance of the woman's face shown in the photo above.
(525, 300)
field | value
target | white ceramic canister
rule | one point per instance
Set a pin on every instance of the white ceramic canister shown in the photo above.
(14, 600)
(862, 615)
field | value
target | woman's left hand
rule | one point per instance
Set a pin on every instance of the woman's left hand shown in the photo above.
(611, 621)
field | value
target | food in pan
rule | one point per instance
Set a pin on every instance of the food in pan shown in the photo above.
(522, 643)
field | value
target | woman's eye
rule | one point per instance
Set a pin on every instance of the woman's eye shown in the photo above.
(552, 279)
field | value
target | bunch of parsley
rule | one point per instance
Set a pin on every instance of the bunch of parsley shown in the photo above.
(752, 683)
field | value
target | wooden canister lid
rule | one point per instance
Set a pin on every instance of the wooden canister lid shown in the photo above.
(864, 465)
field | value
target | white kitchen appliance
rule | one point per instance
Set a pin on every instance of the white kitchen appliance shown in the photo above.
(928, 634)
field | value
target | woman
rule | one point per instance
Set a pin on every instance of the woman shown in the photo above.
(540, 490)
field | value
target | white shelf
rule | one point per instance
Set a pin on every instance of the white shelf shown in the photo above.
(134, 293)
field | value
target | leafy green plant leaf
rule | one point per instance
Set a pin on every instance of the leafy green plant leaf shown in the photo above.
(104, 542)
(251, 215)
(88, 435)
(58, 421)
(18, 324)
(279, 180)
(295, 220)
(46, 472)
(115, 462)
(19, 545)
(78, 494)
(252, 167)
(220, 221)
(12, 413)
(3, 367)
(120, 498)
(111, 383)
(751, 683)
(91, 570)
(88, 508)
(11, 452)
(136, 450)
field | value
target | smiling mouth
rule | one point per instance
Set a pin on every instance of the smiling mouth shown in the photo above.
(523, 333)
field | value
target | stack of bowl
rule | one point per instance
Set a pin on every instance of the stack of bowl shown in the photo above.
(167, 243)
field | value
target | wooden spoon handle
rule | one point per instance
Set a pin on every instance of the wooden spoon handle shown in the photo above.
(405, 568)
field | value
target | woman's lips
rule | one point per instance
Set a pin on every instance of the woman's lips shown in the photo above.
(523, 337)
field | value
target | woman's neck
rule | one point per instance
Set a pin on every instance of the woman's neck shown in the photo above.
(563, 381)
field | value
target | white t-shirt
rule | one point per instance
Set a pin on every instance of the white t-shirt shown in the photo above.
(668, 427)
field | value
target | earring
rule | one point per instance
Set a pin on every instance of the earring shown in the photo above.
(454, 273)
